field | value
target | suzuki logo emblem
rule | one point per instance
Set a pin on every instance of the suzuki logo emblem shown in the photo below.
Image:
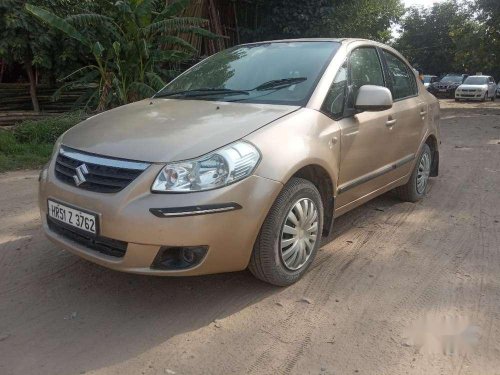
(79, 177)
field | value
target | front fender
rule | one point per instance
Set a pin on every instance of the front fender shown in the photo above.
(304, 138)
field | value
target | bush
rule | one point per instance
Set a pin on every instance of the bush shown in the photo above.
(30, 144)
(46, 130)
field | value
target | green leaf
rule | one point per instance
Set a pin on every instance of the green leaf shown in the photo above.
(98, 49)
(174, 24)
(176, 41)
(155, 81)
(56, 22)
(174, 9)
(141, 89)
(202, 32)
(170, 56)
(88, 19)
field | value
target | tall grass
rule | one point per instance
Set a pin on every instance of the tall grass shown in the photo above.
(29, 144)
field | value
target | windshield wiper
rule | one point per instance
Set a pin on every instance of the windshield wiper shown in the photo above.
(279, 83)
(201, 92)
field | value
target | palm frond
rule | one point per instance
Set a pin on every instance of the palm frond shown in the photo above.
(155, 81)
(56, 22)
(174, 24)
(201, 32)
(170, 56)
(7, 3)
(173, 9)
(78, 71)
(141, 90)
(178, 42)
(88, 19)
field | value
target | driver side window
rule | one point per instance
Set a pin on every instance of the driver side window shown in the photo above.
(364, 69)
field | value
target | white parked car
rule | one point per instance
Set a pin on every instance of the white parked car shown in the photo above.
(477, 88)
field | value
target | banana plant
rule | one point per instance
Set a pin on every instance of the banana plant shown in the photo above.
(129, 46)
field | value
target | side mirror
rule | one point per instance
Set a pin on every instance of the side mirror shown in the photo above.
(373, 98)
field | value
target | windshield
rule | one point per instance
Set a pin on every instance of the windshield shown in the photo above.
(454, 79)
(275, 73)
(476, 81)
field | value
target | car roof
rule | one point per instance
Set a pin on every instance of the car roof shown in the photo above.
(297, 40)
(481, 76)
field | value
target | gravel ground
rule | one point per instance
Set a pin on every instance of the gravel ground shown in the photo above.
(400, 289)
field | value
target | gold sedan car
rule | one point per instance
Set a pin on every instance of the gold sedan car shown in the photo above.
(243, 161)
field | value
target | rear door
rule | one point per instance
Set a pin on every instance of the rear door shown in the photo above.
(410, 112)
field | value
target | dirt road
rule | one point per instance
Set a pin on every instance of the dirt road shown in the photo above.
(360, 309)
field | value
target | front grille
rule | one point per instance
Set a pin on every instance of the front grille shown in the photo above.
(103, 245)
(100, 174)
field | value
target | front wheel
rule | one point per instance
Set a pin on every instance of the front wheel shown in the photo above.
(485, 96)
(290, 236)
(416, 188)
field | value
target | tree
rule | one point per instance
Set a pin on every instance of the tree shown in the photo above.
(276, 19)
(452, 37)
(129, 43)
(32, 46)
(427, 37)
(489, 15)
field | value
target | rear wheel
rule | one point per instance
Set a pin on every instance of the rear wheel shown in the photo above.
(290, 236)
(493, 98)
(416, 188)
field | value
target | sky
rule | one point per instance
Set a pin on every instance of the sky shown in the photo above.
(409, 3)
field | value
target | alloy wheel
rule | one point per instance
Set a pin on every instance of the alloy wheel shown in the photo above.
(299, 234)
(424, 170)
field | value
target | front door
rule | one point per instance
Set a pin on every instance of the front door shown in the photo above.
(368, 138)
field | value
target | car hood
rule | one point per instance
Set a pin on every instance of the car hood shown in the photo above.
(164, 130)
(473, 87)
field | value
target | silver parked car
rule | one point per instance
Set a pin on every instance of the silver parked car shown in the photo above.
(477, 88)
(498, 90)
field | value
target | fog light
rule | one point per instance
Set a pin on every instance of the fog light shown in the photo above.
(179, 258)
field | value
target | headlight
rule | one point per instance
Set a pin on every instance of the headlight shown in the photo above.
(217, 169)
(55, 149)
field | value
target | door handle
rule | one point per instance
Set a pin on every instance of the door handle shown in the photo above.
(391, 122)
(423, 112)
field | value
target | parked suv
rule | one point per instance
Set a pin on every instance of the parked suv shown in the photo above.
(244, 160)
(477, 88)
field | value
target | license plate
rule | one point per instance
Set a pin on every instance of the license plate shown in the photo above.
(442, 90)
(73, 217)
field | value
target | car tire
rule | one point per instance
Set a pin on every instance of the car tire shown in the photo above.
(493, 98)
(416, 187)
(485, 97)
(271, 260)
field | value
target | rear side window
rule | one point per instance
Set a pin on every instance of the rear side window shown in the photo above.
(401, 78)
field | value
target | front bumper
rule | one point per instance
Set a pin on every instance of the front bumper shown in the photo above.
(448, 92)
(469, 95)
(126, 216)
